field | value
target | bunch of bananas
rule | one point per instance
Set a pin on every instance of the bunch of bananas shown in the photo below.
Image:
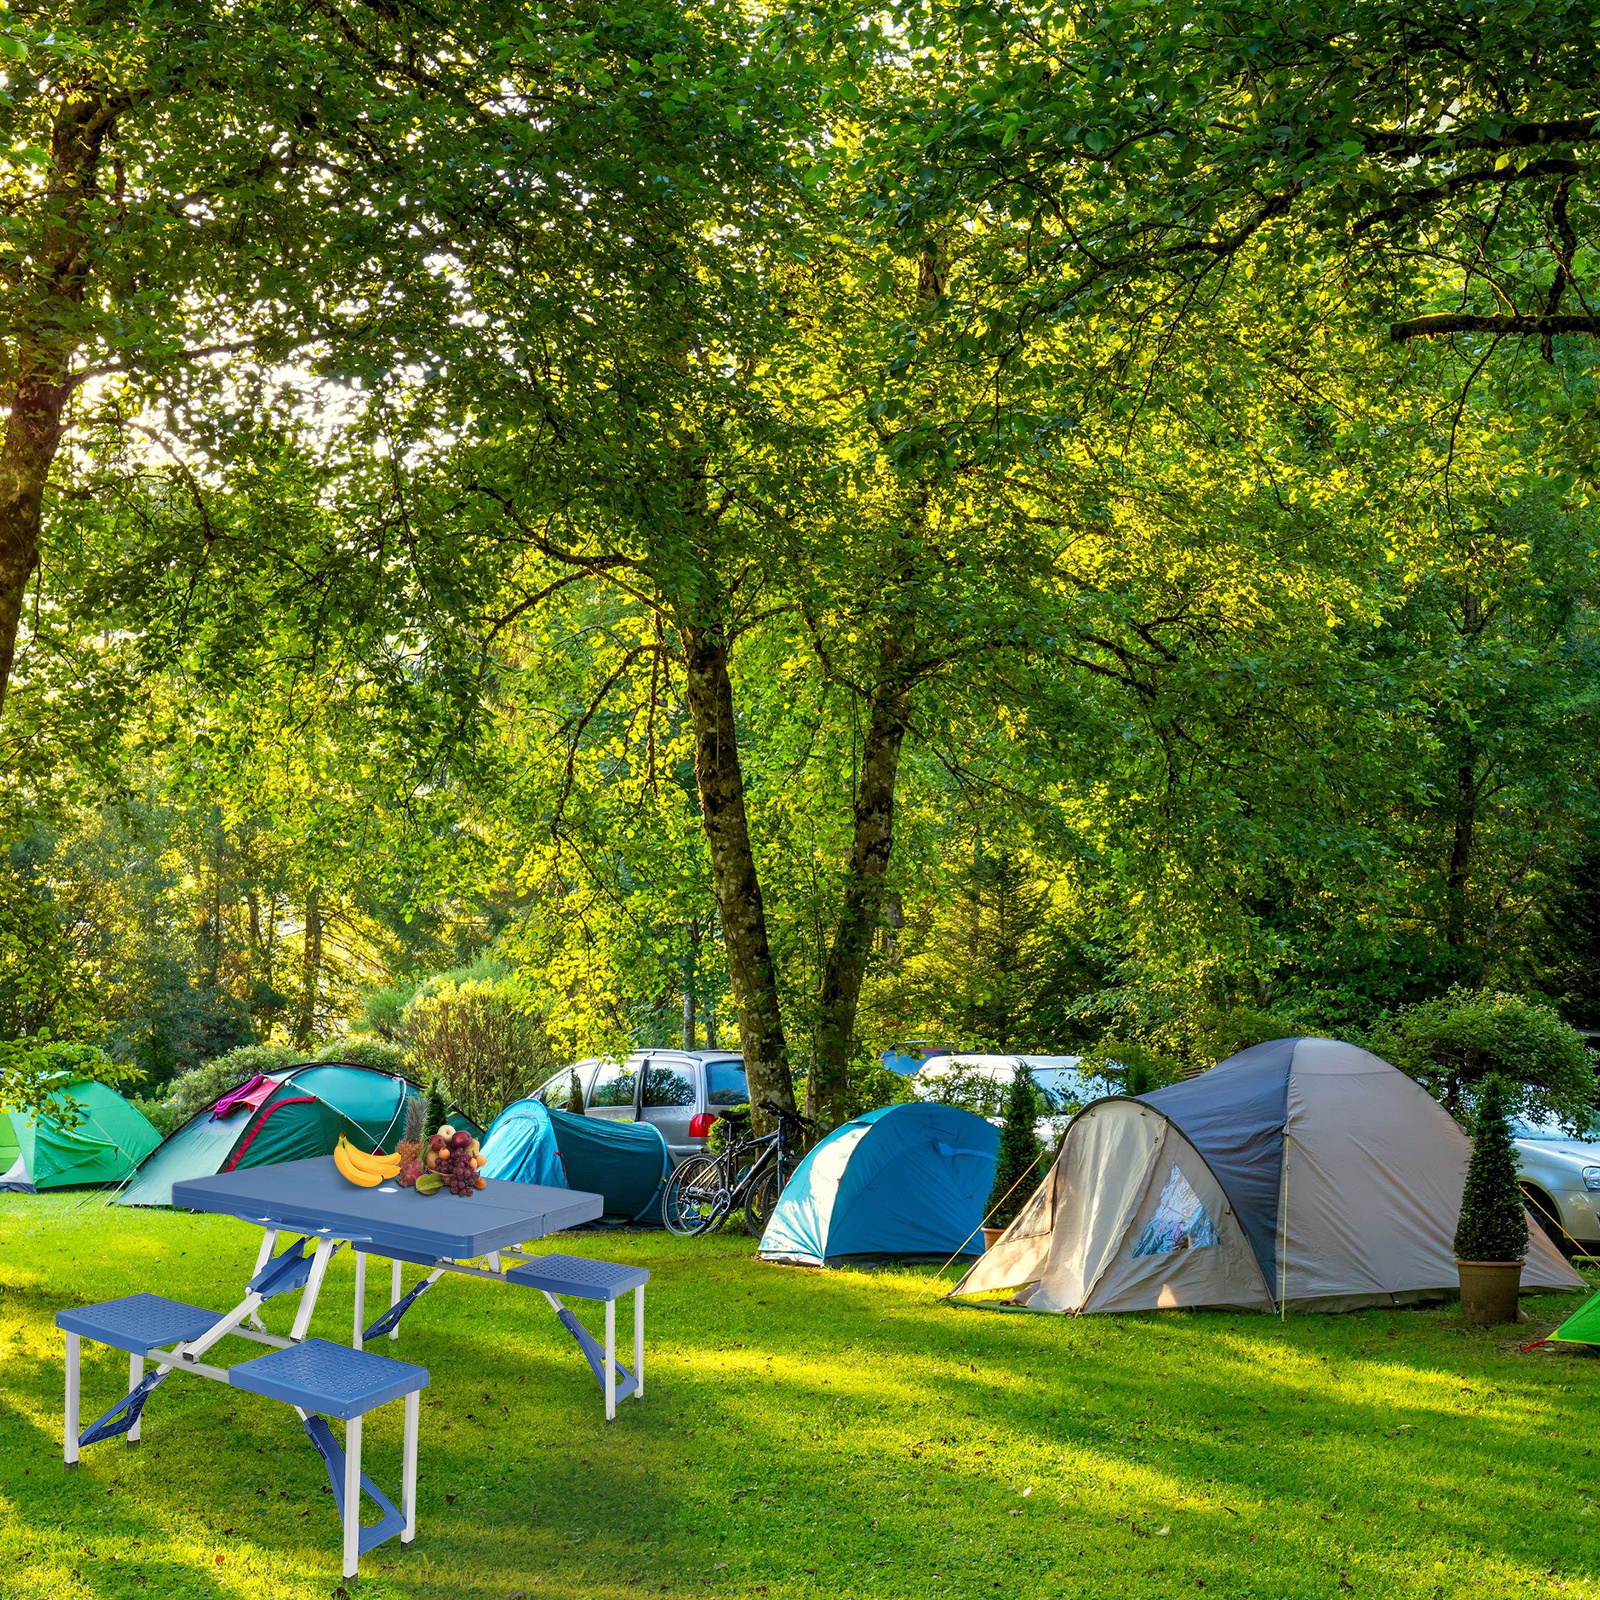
(360, 1168)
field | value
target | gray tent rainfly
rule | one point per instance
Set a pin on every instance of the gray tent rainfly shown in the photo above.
(1303, 1173)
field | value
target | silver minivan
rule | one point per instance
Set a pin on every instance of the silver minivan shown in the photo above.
(682, 1091)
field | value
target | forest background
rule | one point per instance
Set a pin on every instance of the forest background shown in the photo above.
(1043, 528)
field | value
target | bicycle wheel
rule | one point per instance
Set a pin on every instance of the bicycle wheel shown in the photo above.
(689, 1205)
(758, 1203)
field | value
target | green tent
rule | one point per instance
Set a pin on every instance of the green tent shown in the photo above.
(1583, 1326)
(280, 1116)
(107, 1142)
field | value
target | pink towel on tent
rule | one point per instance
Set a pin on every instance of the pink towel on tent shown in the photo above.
(250, 1093)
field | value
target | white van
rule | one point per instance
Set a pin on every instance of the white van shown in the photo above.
(980, 1083)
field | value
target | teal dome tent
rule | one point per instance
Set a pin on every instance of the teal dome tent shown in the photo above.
(908, 1180)
(279, 1116)
(626, 1163)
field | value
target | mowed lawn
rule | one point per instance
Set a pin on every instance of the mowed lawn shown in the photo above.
(806, 1434)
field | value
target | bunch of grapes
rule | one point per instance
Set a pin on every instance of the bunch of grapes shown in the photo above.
(453, 1157)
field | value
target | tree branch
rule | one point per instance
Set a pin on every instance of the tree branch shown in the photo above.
(1438, 322)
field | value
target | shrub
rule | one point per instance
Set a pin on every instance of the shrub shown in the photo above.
(967, 1087)
(363, 1050)
(435, 1112)
(1454, 1044)
(871, 1084)
(1017, 1172)
(158, 1113)
(732, 1124)
(383, 1011)
(1217, 1032)
(200, 1088)
(484, 1040)
(1131, 1066)
(1494, 1224)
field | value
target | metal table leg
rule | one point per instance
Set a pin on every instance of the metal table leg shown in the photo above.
(69, 1439)
(408, 1470)
(352, 1498)
(361, 1296)
(135, 1373)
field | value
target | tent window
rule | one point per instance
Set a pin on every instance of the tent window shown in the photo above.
(1180, 1223)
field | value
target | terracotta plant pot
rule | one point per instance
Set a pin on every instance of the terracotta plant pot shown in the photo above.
(1489, 1290)
(991, 1237)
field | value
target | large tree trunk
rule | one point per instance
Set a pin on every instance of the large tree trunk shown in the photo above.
(720, 778)
(40, 323)
(828, 1088)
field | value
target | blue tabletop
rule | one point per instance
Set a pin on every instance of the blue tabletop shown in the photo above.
(314, 1195)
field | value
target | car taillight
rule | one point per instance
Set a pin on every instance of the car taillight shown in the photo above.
(700, 1124)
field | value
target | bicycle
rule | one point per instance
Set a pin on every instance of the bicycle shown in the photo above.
(750, 1172)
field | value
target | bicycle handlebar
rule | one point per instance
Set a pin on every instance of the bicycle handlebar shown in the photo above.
(786, 1113)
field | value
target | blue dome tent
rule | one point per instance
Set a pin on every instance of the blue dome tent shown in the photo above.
(521, 1145)
(907, 1180)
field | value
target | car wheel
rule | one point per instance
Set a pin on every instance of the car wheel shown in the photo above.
(1544, 1212)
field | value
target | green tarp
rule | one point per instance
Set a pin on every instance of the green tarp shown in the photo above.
(1583, 1326)
(107, 1142)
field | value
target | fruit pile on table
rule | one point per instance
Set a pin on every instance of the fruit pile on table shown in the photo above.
(450, 1159)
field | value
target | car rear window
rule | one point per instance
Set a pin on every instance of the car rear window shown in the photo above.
(613, 1086)
(725, 1083)
(667, 1086)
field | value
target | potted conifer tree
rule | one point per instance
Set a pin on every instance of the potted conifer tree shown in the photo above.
(1019, 1157)
(1492, 1235)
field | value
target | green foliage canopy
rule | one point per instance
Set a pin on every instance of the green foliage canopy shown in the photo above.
(1457, 1044)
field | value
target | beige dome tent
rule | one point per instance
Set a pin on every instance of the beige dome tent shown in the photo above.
(1301, 1172)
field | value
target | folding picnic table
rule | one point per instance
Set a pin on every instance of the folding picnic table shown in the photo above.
(311, 1198)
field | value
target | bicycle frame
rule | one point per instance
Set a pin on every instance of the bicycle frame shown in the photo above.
(735, 1181)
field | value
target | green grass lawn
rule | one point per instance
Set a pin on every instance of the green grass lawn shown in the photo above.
(805, 1434)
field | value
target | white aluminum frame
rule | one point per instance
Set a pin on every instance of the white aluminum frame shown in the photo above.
(185, 1357)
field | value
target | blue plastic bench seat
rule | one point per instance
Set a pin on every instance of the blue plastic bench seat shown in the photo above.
(138, 1322)
(594, 1280)
(577, 1275)
(336, 1381)
(328, 1378)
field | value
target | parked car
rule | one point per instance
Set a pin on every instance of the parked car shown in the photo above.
(682, 1091)
(979, 1083)
(1561, 1178)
